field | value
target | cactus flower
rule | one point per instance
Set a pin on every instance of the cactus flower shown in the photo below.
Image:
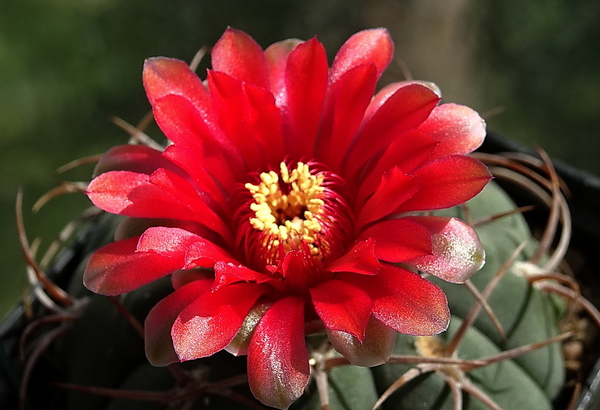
(290, 201)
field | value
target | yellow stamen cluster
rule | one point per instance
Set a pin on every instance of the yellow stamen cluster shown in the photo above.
(289, 217)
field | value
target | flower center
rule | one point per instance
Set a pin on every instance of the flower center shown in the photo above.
(286, 208)
(297, 209)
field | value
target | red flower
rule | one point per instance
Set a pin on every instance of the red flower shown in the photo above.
(290, 201)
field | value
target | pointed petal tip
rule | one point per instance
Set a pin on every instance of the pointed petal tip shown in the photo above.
(379, 35)
(428, 84)
(162, 76)
(159, 69)
(361, 258)
(458, 128)
(457, 251)
(374, 46)
(231, 35)
(237, 54)
(158, 66)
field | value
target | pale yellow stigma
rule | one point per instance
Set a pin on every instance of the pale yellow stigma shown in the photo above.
(288, 217)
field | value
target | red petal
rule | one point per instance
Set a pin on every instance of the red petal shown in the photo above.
(305, 85)
(117, 268)
(360, 259)
(158, 323)
(183, 124)
(263, 121)
(166, 241)
(248, 116)
(278, 370)
(399, 240)
(276, 55)
(238, 55)
(365, 47)
(185, 113)
(110, 192)
(294, 269)
(229, 101)
(446, 182)
(342, 306)
(405, 301)
(163, 194)
(459, 129)
(375, 349)
(191, 199)
(390, 90)
(164, 76)
(126, 265)
(395, 188)
(406, 108)
(407, 152)
(174, 242)
(457, 252)
(182, 109)
(188, 159)
(345, 105)
(209, 323)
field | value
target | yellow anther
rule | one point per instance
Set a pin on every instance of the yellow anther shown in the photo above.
(283, 170)
(292, 216)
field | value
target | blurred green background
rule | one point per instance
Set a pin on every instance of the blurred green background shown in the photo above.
(67, 66)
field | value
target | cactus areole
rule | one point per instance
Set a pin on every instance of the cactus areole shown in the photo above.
(290, 200)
